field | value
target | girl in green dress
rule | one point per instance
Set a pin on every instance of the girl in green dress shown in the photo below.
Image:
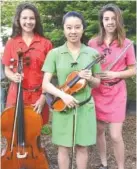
(72, 56)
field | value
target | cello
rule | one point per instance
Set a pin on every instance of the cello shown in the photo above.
(21, 127)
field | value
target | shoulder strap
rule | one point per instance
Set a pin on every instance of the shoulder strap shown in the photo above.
(119, 56)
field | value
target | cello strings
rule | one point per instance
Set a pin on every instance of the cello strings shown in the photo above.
(13, 135)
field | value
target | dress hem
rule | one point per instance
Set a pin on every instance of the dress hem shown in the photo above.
(57, 144)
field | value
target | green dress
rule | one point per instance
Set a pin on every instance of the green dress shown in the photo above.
(58, 61)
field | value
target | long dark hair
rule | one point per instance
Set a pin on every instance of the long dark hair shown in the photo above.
(78, 15)
(16, 28)
(120, 33)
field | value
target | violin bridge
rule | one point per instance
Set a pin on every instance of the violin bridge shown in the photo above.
(22, 155)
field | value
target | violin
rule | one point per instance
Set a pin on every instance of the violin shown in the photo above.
(21, 127)
(73, 84)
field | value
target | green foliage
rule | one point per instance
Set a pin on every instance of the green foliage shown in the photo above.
(51, 13)
(7, 13)
(46, 129)
(131, 88)
(56, 36)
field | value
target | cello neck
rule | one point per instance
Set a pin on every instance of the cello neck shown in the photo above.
(20, 118)
(20, 106)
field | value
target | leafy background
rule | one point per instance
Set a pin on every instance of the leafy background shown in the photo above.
(51, 13)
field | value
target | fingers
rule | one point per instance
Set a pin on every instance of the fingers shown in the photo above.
(69, 100)
(104, 78)
(38, 105)
(85, 74)
(87, 77)
(76, 101)
(73, 103)
(37, 108)
(17, 77)
(102, 75)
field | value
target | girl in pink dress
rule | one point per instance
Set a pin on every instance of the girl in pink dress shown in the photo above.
(110, 97)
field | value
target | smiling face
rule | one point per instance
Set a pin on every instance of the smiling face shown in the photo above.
(27, 21)
(109, 22)
(73, 29)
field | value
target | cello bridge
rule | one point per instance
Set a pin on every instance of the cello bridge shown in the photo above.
(19, 155)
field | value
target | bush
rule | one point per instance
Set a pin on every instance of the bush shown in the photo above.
(131, 88)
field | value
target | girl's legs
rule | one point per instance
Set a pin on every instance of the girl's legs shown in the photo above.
(118, 144)
(81, 157)
(63, 157)
(101, 142)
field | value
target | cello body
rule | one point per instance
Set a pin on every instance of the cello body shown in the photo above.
(34, 155)
(21, 127)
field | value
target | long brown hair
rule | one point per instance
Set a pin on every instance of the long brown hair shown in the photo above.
(16, 28)
(120, 32)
